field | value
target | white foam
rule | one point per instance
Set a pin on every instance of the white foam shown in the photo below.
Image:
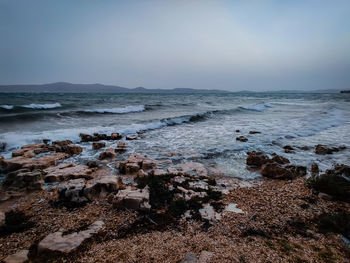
(42, 106)
(6, 107)
(126, 109)
(257, 107)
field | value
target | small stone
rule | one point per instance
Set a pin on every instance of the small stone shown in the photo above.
(19, 257)
(189, 258)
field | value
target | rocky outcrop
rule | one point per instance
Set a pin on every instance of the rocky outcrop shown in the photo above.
(67, 171)
(71, 192)
(136, 199)
(98, 136)
(24, 179)
(256, 159)
(322, 150)
(58, 242)
(280, 159)
(108, 154)
(98, 145)
(241, 139)
(136, 162)
(276, 171)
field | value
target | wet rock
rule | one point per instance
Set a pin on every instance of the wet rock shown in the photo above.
(280, 159)
(148, 164)
(241, 139)
(194, 169)
(98, 145)
(62, 143)
(71, 192)
(135, 162)
(92, 164)
(238, 131)
(31, 150)
(322, 150)
(133, 199)
(70, 149)
(288, 149)
(254, 132)
(85, 137)
(57, 242)
(256, 159)
(132, 137)
(115, 136)
(304, 148)
(100, 136)
(108, 154)
(276, 171)
(19, 257)
(189, 258)
(121, 147)
(24, 179)
(208, 213)
(67, 171)
(1, 160)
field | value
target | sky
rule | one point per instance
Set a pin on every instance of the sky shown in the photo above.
(232, 45)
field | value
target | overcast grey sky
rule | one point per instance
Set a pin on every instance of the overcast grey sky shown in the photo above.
(232, 45)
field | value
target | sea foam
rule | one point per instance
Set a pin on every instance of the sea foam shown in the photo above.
(127, 109)
(42, 106)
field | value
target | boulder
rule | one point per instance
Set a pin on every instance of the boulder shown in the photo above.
(241, 139)
(24, 179)
(57, 242)
(115, 136)
(136, 199)
(276, 171)
(108, 154)
(98, 145)
(121, 147)
(72, 192)
(85, 137)
(101, 136)
(257, 159)
(194, 169)
(280, 159)
(67, 171)
(19, 257)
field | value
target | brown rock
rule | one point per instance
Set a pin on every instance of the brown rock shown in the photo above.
(254, 132)
(98, 145)
(67, 171)
(194, 169)
(24, 179)
(314, 170)
(115, 136)
(70, 149)
(133, 199)
(256, 159)
(108, 154)
(322, 150)
(241, 139)
(19, 257)
(57, 242)
(61, 143)
(276, 171)
(121, 147)
(85, 137)
(72, 192)
(280, 159)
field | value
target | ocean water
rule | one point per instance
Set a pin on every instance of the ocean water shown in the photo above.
(200, 127)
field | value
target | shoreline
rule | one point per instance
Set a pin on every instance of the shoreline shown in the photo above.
(156, 210)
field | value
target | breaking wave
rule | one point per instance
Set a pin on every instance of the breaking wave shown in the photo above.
(257, 107)
(42, 106)
(127, 109)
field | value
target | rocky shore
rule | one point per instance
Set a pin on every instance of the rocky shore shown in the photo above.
(127, 207)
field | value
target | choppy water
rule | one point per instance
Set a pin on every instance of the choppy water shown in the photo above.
(200, 127)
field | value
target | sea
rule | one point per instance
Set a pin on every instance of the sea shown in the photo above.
(197, 127)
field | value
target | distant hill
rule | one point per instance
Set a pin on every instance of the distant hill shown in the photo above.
(65, 87)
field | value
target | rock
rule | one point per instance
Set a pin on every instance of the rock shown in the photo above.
(208, 213)
(205, 257)
(325, 196)
(72, 192)
(1, 160)
(19, 257)
(238, 131)
(233, 208)
(276, 171)
(288, 149)
(104, 182)
(121, 147)
(108, 154)
(314, 170)
(132, 137)
(92, 164)
(254, 132)
(189, 258)
(67, 171)
(70, 149)
(24, 179)
(98, 145)
(135, 162)
(31, 150)
(194, 169)
(57, 242)
(101, 136)
(322, 150)
(2, 219)
(280, 159)
(115, 136)
(148, 164)
(304, 148)
(241, 139)
(256, 159)
(133, 199)
(62, 143)
(85, 137)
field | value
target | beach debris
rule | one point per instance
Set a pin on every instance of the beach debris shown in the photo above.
(58, 242)
(241, 139)
(19, 257)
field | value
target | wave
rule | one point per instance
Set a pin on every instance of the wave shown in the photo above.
(127, 109)
(257, 107)
(42, 106)
(6, 107)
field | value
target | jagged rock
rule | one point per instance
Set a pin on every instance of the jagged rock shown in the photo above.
(322, 150)
(85, 137)
(135, 162)
(134, 199)
(241, 139)
(67, 171)
(115, 136)
(254, 132)
(276, 171)
(70, 149)
(57, 242)
(19, 257)
(257, 159)
(108, 154)
(72, 192)
(189, 258)
(121, 147)
(208, 213)
(24, 179)
(98, 145)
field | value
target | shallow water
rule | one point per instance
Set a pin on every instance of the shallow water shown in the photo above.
(200, 126)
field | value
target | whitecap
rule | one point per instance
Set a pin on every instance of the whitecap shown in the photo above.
(257, 107)
(42, 106)
(127, 109)
(6, 107)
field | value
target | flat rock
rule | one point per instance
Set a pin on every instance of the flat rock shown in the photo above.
(208, 213)
(19, 257)
(233, 208)
(67, 171)
(194, 169)
(24, 179)
(137, 199)
(57, 242)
